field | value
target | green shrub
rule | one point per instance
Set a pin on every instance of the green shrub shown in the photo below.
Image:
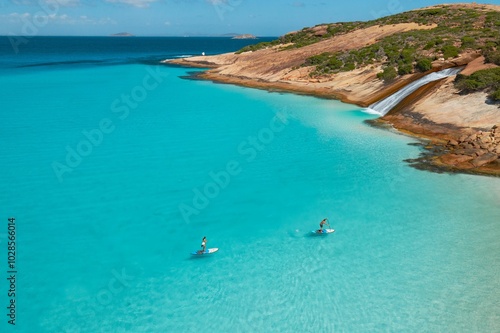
(349, 66)
(392, 52)
(404, 68)
(449, 51)
(424, 64)
(317, 59)
(433, 12)
(495, 95)
(429, 45)
(438, 41)
(492, 56)
(255, 47)
(468, 42)
(470, 85)
(486, 79)
(388, 75)
(335, 63)
(490, 46)
(407, 55)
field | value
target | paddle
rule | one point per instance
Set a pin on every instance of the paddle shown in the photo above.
(328, 222)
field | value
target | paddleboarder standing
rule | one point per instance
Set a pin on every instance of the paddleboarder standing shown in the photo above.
(321, 224)
(203, 244)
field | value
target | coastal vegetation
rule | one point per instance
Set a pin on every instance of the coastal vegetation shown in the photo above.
(482, 80)
(457, 30)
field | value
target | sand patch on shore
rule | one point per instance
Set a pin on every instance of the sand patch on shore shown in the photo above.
(446, 105)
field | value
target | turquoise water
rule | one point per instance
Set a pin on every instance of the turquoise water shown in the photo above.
(104, 238)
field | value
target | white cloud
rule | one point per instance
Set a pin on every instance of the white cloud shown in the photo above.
(223, 6)
(221, 2)
(43, 19)
(167, 23)
(61, 3)
(16, 17)
(23, 2)
(135, 3)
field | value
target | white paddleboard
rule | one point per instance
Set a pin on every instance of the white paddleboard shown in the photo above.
(207, 251)
(324, 232)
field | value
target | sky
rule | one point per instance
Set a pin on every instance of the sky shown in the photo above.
(190, 17)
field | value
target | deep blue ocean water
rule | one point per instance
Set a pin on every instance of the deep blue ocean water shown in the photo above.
(115, 168)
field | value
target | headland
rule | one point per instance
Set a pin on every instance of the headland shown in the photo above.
(363, 62)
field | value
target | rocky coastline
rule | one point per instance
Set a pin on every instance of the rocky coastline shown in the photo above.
(467, 151)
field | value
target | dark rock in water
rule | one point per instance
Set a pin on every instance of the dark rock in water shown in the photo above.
(453, 159)
(123, 34)
(484, 159)
(469, 152)
(192, 76)
(417, 144)
(425, 165)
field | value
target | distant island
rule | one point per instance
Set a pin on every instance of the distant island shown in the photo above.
(122, 34)
(364, 62)
(245, 36)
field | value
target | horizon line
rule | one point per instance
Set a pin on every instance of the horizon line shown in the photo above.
(127, 36)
